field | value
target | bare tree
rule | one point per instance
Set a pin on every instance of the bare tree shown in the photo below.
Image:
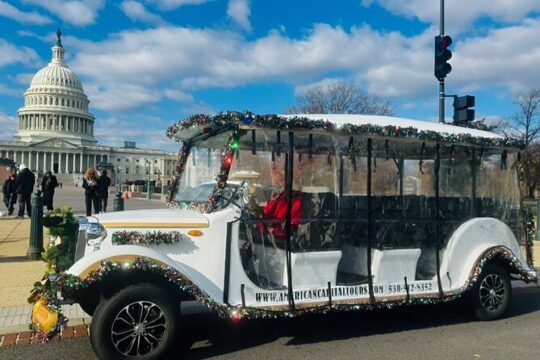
(530, 169)
(526, 121)
(525, 124)
(340, 98)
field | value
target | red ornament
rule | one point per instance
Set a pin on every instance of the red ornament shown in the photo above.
(227, 160)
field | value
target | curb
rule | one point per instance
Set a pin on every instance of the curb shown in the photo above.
(30, 337)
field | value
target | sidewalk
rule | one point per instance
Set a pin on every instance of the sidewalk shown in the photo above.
(17, 275)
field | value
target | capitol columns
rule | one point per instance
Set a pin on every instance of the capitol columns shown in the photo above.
(59, 162)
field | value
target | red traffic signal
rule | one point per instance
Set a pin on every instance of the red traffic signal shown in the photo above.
(442, 55)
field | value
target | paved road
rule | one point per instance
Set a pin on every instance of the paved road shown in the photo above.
(437, 332)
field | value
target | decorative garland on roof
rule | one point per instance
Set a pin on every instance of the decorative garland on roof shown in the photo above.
(69, 284)
(235, 119)
(146, 238)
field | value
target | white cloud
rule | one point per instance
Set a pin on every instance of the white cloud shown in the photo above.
(74, 12)
(11, 54)
(239, 11)
(24, 78)
(301, 89)
(113, 131)
(133, 62)
(177, 95)
(460, 14)
(507, 57)
(8, 124)
(120, 96)
(10, 91)
(174, 4)
(137, 12)
(23, 17)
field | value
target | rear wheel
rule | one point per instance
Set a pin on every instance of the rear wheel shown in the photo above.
(491, 293)
(140, 321)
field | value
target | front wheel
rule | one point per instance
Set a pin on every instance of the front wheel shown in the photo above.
(140, 321)
(491, 293)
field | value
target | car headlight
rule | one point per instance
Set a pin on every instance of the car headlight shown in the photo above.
(95, 234)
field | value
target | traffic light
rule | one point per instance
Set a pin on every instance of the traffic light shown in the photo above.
(442, 55)
(462, 111)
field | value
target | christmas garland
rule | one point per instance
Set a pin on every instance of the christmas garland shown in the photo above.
(235, 120)
(70, 284)
(146, 238)
(529, 235)
(47, 291)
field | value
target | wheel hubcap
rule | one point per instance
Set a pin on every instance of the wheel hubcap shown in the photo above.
(138, 328)
(492, 292)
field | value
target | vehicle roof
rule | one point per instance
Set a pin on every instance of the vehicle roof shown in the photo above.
(342, 119)
(199, 127)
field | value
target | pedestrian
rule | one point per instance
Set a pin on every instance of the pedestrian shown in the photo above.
(24, 182)
(48, 184)
(9, 189)
(103, 190)
(90, 183)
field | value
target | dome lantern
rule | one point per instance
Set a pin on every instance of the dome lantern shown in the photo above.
(58, 50)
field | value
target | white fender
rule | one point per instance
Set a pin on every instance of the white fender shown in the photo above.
(127, 253)
(468, 243)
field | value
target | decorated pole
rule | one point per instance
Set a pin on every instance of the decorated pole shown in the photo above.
(36, 228)
(118, 203)
(537, 236)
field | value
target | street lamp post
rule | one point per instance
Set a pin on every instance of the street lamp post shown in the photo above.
(148, 194)
(118, 181)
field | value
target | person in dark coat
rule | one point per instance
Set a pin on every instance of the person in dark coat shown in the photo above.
(10, 193)
(89, 184)
(48, 184)
(24, 182)
(103, 190)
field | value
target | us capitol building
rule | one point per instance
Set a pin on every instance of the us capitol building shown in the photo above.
(56, 132)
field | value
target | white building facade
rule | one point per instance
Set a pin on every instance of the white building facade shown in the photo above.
(56, 131)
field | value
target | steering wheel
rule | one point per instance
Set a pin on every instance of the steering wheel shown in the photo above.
(230, 200)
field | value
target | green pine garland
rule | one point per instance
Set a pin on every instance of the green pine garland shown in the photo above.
(150, 238)
(235, 120)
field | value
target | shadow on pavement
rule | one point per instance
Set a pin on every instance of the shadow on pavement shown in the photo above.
(215, 337)
(227, 337)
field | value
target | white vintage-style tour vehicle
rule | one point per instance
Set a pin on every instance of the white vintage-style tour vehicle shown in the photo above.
(281, 215)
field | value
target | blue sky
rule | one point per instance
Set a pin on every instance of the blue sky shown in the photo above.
(145, 64)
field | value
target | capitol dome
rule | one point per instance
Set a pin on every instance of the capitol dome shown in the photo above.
(56, 75)
(55, 105)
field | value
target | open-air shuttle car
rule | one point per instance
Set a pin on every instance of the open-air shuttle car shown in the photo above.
(282, 215)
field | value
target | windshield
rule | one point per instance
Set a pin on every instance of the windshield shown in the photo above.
(198, 180)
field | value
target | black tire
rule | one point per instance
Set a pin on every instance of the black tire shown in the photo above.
(492, 293)
(88, 306)
(151, 328)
